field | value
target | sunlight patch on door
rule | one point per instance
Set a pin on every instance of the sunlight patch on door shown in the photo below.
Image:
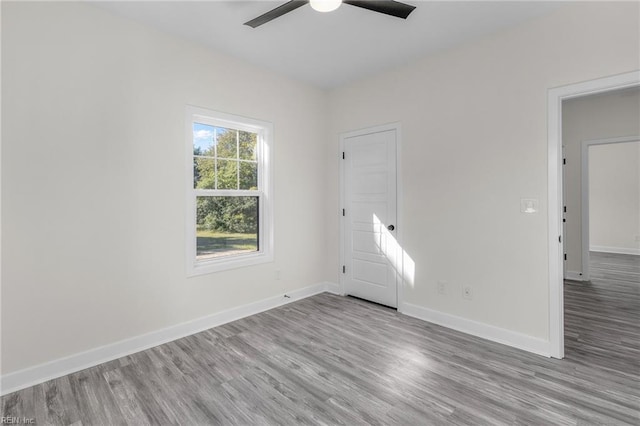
(399, 259)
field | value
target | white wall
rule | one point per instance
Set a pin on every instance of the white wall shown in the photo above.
(93, 191)
(592, 117)
(474, 123)
(614, 198)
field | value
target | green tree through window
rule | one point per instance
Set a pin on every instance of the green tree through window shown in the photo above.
(225, 159)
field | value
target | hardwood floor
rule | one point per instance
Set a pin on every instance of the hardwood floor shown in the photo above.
(337, 360)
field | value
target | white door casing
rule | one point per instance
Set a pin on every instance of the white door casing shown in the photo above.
(555, 97)
(371, 256)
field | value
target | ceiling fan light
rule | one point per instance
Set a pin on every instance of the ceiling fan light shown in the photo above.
(325, 5)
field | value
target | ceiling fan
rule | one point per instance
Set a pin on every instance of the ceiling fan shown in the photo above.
(388, 7)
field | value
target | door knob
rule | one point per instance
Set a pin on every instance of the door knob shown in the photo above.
(391, 227)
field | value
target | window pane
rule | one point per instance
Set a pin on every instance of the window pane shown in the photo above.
(226, 226)
(203, 139)
(203, 173)
(248, 146)
(248, 175)
(227, 143)
(227, 174)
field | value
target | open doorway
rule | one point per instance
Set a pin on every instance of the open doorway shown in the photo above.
(601, 310)
(611, 198)
(598, 135)
(556, 205)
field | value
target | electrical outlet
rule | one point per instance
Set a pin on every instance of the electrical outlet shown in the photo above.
(442, 287)
(637, 238)
(277, 274)
(467, 292)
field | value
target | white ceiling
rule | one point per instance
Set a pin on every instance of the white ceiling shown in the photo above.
(329, 49)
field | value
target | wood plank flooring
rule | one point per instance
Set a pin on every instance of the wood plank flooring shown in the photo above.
(336, 360)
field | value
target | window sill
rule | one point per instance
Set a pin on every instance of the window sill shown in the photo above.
(209, 266)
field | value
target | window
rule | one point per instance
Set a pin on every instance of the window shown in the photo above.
(228, 184)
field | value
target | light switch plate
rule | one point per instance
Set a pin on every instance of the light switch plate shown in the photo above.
(528, 205)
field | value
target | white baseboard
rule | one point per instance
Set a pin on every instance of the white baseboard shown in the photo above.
(485, 331)
(333, 288)
(60, 367)
(574, 276)
(617, 250)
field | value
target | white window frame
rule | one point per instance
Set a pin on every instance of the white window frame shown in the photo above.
(264, 130)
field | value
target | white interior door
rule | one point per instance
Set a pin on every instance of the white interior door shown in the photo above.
(370, 247)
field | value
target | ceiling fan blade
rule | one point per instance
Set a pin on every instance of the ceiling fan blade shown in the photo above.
(276, 13)
(388, 7)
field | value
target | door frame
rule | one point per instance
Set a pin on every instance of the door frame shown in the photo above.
(584, 179)
(555, 97)
(399, 197)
